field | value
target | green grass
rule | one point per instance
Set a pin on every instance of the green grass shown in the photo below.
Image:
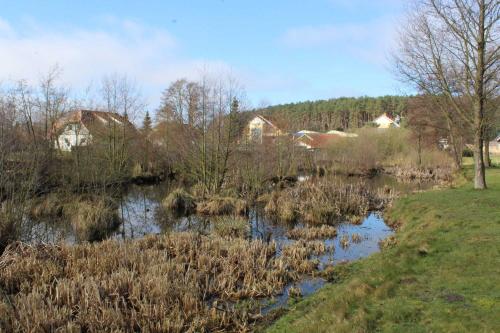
(443, 274)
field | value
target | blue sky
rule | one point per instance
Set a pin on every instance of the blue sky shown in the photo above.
(280, 50)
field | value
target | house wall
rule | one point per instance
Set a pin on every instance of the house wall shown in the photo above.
(258, 128)
(383, 122)
(495, 147)
(72, 136)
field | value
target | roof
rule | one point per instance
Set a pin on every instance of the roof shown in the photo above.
(318, 140)
(344, 134)
(385, 116)
(269, 122)
(95, 121)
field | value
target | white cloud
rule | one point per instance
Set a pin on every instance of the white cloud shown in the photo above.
(370, 41)
(150, 56)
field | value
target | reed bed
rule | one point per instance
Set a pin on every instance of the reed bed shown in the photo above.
(216, 206)
(49, 206)
(181, 282)
(180, 201)
(94, 220)
(230, 227)
(321, 202)
(424, 174)
(313, 233)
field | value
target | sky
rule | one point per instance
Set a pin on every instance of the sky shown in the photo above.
(280, 50)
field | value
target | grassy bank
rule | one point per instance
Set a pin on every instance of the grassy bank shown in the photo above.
(441, 276)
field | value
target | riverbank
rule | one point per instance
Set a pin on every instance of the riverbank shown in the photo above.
(441, 275)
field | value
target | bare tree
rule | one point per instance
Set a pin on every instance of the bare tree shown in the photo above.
(52, 101)
(121, 95)
(450, 48)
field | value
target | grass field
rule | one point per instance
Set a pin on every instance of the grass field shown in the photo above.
(443, 274)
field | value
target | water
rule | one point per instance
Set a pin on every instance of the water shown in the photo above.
(141, 212)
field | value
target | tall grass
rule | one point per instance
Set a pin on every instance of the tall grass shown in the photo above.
(94, 220)
(222, 206)
(321, 201)
(172, 283)
(179, 201)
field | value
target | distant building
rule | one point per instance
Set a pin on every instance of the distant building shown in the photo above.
(260, 130)
(315, 141)
(495, 145)
(384, 121)
(343, 134)
(82, 127)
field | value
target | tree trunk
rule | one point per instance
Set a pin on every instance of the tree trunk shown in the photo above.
(487, 160)
(479, 170)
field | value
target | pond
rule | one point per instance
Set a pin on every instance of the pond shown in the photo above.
(141, 213)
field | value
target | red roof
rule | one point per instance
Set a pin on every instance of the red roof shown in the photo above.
(95, 121)
(318, 140)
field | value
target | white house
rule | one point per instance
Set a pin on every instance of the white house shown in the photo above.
(384, 121)
(80, 128)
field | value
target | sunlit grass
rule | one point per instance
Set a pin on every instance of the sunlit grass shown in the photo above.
(439, 275)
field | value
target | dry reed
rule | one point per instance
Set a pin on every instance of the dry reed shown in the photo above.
(320, 202)
(172, 283)
(312, 233)
(179, 201)
(222, 206)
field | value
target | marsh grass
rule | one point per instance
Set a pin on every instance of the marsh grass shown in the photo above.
(321, 202)
(179, 201)
(216, 206)
(49, 206)
(313, 233)
(172, 283)
(439, 273)
(94, 219)
(230, 227)
(10, 225)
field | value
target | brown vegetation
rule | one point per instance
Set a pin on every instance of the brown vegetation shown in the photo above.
(222, 206)
(94, 220)
(175, 283)
(229, 227)
(179, 201)
(312, 233)
(321, 201)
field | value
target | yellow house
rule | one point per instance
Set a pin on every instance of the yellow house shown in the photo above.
(261, 130)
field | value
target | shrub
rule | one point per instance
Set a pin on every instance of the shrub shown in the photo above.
(94, 220)
(179, 201)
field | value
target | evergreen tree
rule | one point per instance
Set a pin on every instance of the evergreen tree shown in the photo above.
(147, 124)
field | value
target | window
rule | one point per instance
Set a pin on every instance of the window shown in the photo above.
(256, 134)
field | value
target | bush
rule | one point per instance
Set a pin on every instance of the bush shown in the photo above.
(94, 220)
(467, 152)
(179, 201)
